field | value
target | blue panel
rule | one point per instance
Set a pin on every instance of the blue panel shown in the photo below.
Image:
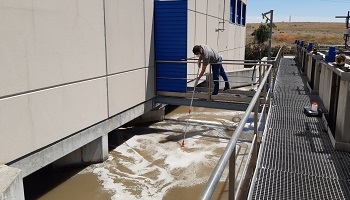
(239, 12)
(233, 11)
(244, 14)
(170, 77)
(170, 30)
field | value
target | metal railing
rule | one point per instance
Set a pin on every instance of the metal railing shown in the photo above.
(229, 156)
(208, 76)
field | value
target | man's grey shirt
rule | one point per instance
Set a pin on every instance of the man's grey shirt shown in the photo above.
(209, 55)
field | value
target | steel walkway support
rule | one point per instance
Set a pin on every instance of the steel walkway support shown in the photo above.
(296, 158)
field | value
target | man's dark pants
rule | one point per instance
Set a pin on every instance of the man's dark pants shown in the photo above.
(218, 71)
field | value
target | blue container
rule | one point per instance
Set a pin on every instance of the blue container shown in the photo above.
(330, 57)
(298, 42)
(309, 48)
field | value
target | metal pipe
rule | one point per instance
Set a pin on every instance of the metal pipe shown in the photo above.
(190, 80)
(232, 174)
(230, 60)
(209, 189)
(182, 61)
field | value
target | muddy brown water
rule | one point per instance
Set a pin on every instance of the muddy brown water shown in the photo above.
(149, 163)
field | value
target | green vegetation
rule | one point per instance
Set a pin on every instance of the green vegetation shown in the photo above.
(261, 34)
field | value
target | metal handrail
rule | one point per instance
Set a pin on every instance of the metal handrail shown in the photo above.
(225, 63)
(219, 169)
(214, 179)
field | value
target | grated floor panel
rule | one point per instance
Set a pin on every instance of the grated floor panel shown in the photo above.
(286, 185)
(297, 159)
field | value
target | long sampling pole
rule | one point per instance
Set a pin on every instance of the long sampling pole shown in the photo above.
(190, 109)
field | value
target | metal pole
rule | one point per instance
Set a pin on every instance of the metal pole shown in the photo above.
(346, 36)
(347, 27)
(256, 112)
(271, 23)
(270, 41)
(232, 175)
(209, 83)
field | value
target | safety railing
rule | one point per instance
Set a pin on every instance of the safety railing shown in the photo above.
(257, 65)
(229, 156)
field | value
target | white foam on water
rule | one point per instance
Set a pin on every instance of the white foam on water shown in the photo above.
(170, 166)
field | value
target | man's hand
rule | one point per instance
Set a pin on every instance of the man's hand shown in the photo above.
(196, 82)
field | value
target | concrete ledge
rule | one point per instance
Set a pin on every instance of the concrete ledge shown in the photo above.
(39, 159)
(11, 184)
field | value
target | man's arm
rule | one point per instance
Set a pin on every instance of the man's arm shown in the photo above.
(202, 72)
(199, 66)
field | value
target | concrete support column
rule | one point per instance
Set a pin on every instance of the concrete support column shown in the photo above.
(93, 152)
(11, 184)
(96, 151)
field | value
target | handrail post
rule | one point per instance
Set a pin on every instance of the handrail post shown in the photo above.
(256, 112)
(232, 175)
(265, 93)
(209, 85)
(256, 126)
(260, 77)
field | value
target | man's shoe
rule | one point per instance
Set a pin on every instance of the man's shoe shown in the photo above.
(226, 88)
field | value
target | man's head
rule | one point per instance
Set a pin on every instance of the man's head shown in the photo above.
(196, 49)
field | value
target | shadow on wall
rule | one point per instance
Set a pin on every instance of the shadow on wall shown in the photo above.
(151, 72)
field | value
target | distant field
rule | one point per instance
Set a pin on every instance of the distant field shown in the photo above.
(316, 32)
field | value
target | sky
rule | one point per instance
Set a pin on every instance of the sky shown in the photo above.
(298, 10)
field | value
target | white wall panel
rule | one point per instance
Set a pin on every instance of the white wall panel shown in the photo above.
(212, 34)
(227, 10)
(125, 35)
(52, 43)
(126, 90)
(213, 8)
(201, 29)
(201, 6)
(35, 120)
(223, 40)
(238, 42)
(191, 4)
(17, 136)
(191, 24)
(243, 42)
(231, 40)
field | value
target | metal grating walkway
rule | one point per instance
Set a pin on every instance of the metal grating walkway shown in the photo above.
(296, 159)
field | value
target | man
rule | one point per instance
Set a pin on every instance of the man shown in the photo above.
(208, 55)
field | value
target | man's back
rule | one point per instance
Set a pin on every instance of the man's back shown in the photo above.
(209, 55)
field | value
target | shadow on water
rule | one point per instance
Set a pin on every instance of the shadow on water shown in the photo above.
(171, 134)
(40, 182)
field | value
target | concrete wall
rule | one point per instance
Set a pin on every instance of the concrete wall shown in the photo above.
(204, 19)
(325, 85)
(11, 184)
(67, 65)
(325, 72)
(343, 112)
